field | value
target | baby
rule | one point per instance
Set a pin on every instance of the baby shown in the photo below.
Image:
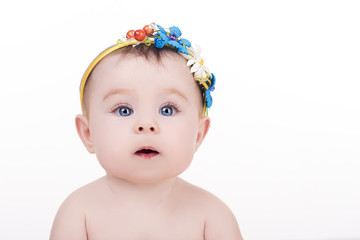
(144, 116)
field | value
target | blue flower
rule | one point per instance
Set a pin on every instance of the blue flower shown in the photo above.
(172, 38)
(159, 43)
(184, 41)
(183, 49)
(161, 29)
(164, 37)
(213, 80)
(162, 34)
(208, 97)
(175, 31)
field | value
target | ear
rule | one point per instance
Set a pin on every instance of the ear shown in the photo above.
(82, 127)
(204, 126)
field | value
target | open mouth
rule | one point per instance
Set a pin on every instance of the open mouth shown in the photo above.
(146, 152)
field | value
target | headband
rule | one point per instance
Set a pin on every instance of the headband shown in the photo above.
(160, 37)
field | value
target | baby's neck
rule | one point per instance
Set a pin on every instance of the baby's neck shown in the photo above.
(150, 194)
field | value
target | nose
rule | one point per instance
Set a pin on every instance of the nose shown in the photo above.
(146, 127)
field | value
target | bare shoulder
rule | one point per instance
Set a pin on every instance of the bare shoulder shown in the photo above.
(219, 221)
(70, 220)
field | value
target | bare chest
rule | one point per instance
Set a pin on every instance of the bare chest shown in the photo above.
(116, 223)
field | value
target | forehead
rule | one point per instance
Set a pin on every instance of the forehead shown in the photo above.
(141, 74)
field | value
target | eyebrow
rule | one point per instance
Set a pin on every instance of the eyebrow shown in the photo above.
(171, 91)
(174, 91)
(117, 91)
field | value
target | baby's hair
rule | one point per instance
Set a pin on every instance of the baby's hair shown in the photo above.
(150, 53)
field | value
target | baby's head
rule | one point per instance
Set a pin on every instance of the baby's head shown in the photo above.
(144, 110)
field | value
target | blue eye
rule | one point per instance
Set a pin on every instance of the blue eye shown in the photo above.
(124, 111)
(167, 111)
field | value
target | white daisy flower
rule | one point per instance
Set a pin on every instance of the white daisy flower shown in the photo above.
(197, 62)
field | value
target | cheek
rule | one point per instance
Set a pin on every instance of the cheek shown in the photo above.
(111, 153)
(181, 137)
(109, 138)
(182, 152)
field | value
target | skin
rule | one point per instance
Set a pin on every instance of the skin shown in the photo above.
(141, 196)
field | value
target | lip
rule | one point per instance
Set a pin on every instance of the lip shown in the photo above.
(147, 152)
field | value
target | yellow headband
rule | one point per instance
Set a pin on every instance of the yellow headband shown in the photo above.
(95, 62)
(158, 36)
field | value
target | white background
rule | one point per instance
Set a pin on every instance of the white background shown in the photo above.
(284, 148)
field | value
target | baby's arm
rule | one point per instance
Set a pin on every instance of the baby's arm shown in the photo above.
(221, 223)
(70, 221)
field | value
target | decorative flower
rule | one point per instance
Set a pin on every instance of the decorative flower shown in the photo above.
(208, 98)
(159, 43)
(213, 81)
(209, 90)
(197, 63)
(172, 38)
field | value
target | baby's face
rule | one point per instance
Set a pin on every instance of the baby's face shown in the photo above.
(144, 117)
